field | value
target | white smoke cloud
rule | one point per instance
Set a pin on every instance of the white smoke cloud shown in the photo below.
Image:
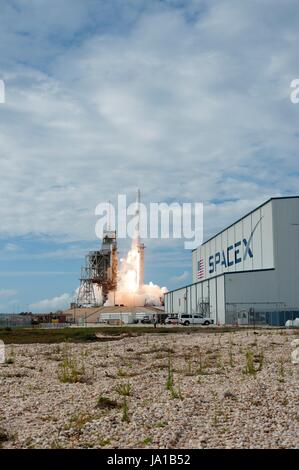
(130, 292)
(56, 303)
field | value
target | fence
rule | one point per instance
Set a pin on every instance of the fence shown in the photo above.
(14, 321)
(244, 314)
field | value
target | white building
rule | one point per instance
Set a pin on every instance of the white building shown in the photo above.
(248, 272)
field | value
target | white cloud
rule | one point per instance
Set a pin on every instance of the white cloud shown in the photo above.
(191, 110)
(181, 277)
(4, 293)
(11, 247)
(56, 303)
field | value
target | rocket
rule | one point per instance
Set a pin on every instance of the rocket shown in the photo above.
(138, 245)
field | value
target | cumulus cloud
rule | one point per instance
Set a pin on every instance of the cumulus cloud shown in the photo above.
(185, 109)
(187, 100)
(56, 303)
(181, 277)
(4, 293)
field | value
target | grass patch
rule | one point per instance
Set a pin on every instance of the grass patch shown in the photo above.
(104, 442)
(170, 381)
(4, 436)
(162, 424)
(78, 421)
(251, 360)
(106, 403)
(125, 417)
(69, 370)
(125, 391)
(281, 371)
(87, 335)
(147, 441)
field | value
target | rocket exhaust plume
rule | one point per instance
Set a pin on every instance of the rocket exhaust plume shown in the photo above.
(131, 290)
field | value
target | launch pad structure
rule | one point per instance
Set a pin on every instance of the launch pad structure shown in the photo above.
(101, 269)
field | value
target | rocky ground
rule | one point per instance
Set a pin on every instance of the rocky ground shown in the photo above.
(230, 390)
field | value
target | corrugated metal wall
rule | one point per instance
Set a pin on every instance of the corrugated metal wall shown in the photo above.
(231, 246)
(271, 278)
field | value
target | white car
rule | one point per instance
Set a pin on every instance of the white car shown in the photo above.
(194, 319)
(172, 320)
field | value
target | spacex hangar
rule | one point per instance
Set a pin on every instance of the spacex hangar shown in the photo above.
(249, 272)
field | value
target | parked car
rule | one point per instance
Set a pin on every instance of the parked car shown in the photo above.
(146, 319)
(172, 320)
(194, 319)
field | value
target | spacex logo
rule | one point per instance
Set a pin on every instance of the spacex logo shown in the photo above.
(234, 254)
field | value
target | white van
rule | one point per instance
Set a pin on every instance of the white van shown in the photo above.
(194, 319)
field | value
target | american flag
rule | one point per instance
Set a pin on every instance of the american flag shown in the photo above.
(201, 269)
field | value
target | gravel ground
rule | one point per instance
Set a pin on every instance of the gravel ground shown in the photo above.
(217, 397)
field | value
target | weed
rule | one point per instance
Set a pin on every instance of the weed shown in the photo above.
(121, 373)
(189, 370)
(256, 402)
(169, 383)
(215, 414)
(56, 444)
(87, 445)
(201, 364)
(162, 424)
(230, 353)
(259, 358)
(224, 430)
(219, 364)
(85, 353)
(229, 394)
(249, 368)
(29, 443)
(4, 436)
(11, 358)
(57, 349)
(78, 421)
(104, 442)
(105, 402)
(125, 416)
(147, 441)
(174, 393)
(124, 390)
(281, 371)
(250, 360)
(69, 371)
(180, 396)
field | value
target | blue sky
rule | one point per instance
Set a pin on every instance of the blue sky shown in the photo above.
(188, 100)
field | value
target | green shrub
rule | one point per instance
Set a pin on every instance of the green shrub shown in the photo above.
(124, 389)
(105, 402)
(69, 371)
